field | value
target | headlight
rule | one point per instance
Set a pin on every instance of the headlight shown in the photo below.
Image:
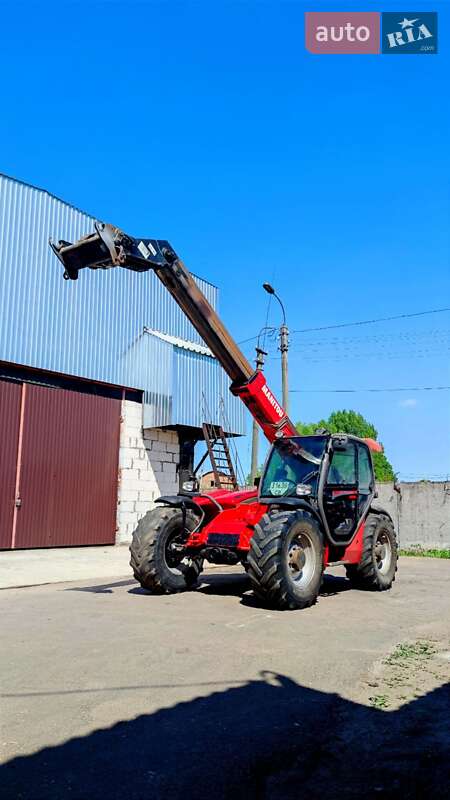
(302, 489)
(189, 486)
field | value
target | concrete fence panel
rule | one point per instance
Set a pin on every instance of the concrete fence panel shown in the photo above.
(421, 512)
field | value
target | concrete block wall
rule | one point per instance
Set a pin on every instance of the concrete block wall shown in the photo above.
(147, 468)
(421, 513)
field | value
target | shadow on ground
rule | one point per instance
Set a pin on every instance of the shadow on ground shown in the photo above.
(233, 585)
(228, 584)
(266, 739)
(238, 585)
(102, 588)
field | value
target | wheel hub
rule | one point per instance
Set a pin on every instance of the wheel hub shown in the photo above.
(174, 552)
(297, 559)
(300, 559)
(383, 553)
(380, 552)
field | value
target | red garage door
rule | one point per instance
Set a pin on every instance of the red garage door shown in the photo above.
(10, 394)
(63, 470)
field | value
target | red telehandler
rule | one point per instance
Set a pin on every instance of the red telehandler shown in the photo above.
(314, 503)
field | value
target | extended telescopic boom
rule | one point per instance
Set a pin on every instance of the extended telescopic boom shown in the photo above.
(109, 247)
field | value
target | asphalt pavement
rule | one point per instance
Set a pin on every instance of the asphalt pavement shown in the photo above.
(109, 692)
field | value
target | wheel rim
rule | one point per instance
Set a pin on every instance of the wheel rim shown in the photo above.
(383, 553)
(301, 561)
(176, 562)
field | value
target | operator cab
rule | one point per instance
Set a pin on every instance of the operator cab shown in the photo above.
(332, 473)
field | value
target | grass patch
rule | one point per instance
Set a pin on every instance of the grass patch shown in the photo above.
(418, 551)
(379, 701)
(406, 652)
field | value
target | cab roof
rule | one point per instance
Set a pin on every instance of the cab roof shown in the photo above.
(373, 445)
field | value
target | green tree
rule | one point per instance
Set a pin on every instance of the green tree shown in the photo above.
(384, 470)
(309, 428)
(351, 422)
(354, 423)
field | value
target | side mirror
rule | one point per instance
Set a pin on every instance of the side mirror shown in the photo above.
(257, 481)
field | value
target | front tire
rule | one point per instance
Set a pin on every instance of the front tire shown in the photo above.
(378, 565)
(286, 559)
(156, 564)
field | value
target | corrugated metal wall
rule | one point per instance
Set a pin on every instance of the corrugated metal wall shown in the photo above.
(152, 358)
(10, 397)
(202, 375)
(92, 328)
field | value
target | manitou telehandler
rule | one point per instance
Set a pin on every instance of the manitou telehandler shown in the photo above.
(314, 503)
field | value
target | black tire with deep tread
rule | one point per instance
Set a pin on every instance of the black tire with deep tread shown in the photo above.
(366, 575)
(147, 550)
(268, 563)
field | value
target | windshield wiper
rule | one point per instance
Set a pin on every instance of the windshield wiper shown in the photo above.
(307, 456)
(294, 449)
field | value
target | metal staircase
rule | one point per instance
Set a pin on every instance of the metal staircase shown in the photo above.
(218, 451)
(219, 455)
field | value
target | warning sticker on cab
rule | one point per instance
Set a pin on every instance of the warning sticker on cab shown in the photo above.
(279, 487)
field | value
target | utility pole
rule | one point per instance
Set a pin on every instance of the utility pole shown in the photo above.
(260, 354)
(284, 347)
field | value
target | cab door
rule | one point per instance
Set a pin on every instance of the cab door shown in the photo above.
(341, 492)
(366, 480)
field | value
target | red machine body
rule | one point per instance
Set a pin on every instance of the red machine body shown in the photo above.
(264, 407)
(234, 527)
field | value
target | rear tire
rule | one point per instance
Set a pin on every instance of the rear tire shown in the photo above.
(285, 562)
(155, 566)
(378, 565)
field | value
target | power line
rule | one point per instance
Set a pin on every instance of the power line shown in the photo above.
(371, 321)
(401, 389)
(266, 328)
(379, 355)
(361, 322)
(270, 331)
(380, 339)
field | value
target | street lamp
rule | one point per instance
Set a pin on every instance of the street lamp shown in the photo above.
(284, 347)
(270, 290)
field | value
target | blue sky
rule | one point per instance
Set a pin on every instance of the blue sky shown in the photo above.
(210, 125)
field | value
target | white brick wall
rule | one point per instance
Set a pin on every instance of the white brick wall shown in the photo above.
(147, 468)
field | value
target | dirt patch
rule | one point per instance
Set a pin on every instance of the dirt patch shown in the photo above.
(411, 671)
(392, 743)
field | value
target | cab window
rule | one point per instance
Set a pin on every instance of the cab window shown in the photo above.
(343, 467)
(292, 462)
(364, 469)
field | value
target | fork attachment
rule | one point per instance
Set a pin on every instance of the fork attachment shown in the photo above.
(109, 247)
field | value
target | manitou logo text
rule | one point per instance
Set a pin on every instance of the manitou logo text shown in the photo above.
(410, 33)
(272, 401)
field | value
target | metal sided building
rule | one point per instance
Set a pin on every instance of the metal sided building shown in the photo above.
(103, 384)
